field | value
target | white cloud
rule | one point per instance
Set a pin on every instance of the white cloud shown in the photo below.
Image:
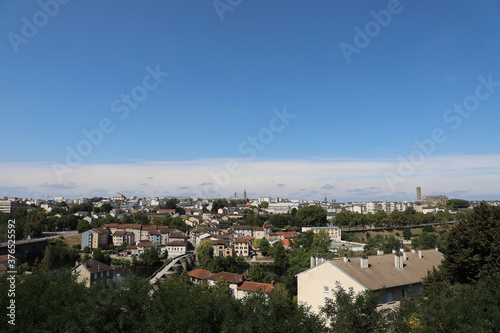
(459, 175)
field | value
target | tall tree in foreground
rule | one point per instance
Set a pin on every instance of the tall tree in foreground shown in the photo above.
(473, 246)
(352, 312)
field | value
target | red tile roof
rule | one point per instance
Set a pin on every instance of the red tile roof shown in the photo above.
(256, 286)
(230, 277)
(177, 243)
(199, 273)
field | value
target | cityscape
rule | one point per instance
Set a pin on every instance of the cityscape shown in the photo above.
(250, 166)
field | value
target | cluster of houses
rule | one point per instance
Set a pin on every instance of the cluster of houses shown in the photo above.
(236, 240)
(138, 238)
(239, 285)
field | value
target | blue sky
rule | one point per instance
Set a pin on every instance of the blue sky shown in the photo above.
(354, 120)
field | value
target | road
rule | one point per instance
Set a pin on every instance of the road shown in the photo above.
(50, 235)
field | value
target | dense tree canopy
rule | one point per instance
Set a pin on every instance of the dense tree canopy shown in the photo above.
(313, 216)
(473, 246)
(457, 203)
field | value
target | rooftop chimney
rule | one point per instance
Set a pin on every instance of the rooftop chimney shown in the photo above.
(436, 248)
(346, 259)
(394, 250)
(380, 251)
(313, 260)
(397, 261)
(413, 250)
(420, 255)
(364, 262)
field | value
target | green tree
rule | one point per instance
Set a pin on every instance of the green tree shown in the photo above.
(473, 246)
(140, 218)
(263, 245)
(321, 240)
(150, 257)
(313, 216)
(352, 312)
(99, 255)
(219, 203)
(280, 258)
(205, 253)
(264, 204)
(457, 203)
(258, 274)
(407, 233)
(279, 220)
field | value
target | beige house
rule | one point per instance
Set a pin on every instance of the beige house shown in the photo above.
(396, 275)
(121, 236)
(176, 248)
(241, 247)
(90, 272)
(333, 232)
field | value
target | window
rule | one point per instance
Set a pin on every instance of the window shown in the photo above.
(390, 297)
(326, 289)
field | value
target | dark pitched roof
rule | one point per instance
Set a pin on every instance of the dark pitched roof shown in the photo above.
(96, 266)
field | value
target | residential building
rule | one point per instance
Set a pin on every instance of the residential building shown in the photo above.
(395, 275)
(198, 275)
(90, 272)
(94, 238)
(249, 287)
(176, 248)
(9, 206)
(258, 232)
(233, 279)
(242, 231)
(333, 232)
(121, 236)
(241, 247)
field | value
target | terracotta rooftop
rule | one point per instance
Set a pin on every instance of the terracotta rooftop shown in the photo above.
(240, 240)
(382, 272)
(130, 226)
(177, 243)
(230, 277)
(199, 273)
(111, 225)
(100, 230)
(256, 286)
(149, 227)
